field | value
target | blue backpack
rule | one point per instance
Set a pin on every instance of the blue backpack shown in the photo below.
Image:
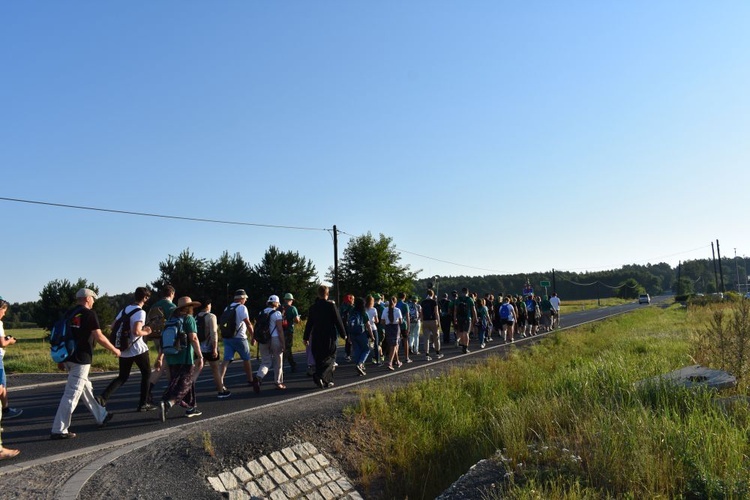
(62, 342)
(173, 338)
(505, 311)
(355, 324)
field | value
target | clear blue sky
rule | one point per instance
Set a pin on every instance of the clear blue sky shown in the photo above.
(502, 137)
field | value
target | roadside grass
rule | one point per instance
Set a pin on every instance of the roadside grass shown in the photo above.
(567, 419)
(569, 306)
(30, 354)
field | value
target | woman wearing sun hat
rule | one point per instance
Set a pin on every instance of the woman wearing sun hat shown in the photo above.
(182, 364)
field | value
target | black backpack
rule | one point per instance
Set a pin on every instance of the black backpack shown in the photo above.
(200, 322)
(263, 327)
(120, 336)
(228, 322)
(462, 309)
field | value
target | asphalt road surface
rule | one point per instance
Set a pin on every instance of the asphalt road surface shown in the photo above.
(39, 400)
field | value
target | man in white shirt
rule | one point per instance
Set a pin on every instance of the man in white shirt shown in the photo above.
(239, 342)
(555, 301)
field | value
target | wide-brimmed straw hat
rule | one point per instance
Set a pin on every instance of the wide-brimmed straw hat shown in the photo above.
(186, 301)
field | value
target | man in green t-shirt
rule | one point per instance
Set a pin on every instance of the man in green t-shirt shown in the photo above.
(158, 314)
(464, 315)
(290, 317)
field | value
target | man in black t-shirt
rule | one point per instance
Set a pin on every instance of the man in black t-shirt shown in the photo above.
(430, 316)
(86, 331)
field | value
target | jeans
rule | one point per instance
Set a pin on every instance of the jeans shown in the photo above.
(360, 348)
(77, 386)
(414, 336)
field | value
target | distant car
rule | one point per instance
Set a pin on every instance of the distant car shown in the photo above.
(644, 299)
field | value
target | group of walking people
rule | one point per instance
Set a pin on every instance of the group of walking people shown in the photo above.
(185, 336)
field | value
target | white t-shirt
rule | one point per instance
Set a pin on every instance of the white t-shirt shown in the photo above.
(241, 315)
(372, 313)
(274, 316)
(386, 316)
(138, 346)
(555, 301)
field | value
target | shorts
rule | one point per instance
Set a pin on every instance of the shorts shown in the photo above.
(236, 345)
(532, 320)
(464, 324)
(209, 356)
(507, 322)
(3, 381)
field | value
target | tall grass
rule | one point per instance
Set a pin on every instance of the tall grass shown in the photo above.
(567, 419)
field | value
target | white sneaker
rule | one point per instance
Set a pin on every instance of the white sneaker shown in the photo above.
(481, 346)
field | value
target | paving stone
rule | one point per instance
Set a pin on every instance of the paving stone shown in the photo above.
(242, 474)
(303, 484)
(300, 451)
(267, 463)
(314, 480)
(354, 495)
(290, 470)
(255, 468)
(302, 467)
(322, 460)
(278, 476)
(278, 458)
(315, 496)
(216, 484)
(312, 463)
(333, 473)
(265, 483)
(326, 492)
(323, 477)
(311, 450)
(229, 480)
(290, 490)
(277, 495)
(289, 454)
(344, 484)
(336, 489)
(238, 495)
(254, 490)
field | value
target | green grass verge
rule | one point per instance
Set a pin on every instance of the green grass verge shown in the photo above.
(566, 417)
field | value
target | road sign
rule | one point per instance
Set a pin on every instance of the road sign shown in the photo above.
(544, 283)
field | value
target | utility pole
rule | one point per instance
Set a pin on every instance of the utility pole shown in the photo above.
(737, 267)
(336, 264)
(721, 271)
(713, 255)
(554, 283)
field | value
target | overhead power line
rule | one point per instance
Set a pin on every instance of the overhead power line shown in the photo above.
(161, 216)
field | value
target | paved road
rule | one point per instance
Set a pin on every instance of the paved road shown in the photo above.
(30, 432)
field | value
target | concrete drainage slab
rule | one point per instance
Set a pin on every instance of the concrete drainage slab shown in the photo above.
(296, 472)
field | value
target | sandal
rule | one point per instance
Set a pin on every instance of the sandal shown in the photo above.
(6, 453)
(280, 386)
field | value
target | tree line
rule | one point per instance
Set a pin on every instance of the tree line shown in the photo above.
(368, 265)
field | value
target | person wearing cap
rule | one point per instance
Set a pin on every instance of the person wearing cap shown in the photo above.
(86, 332)
(5, 453)
(291, 318)
(239, 343)
(322, 330)
(272, 352)
(181, 365)
(137, 351)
